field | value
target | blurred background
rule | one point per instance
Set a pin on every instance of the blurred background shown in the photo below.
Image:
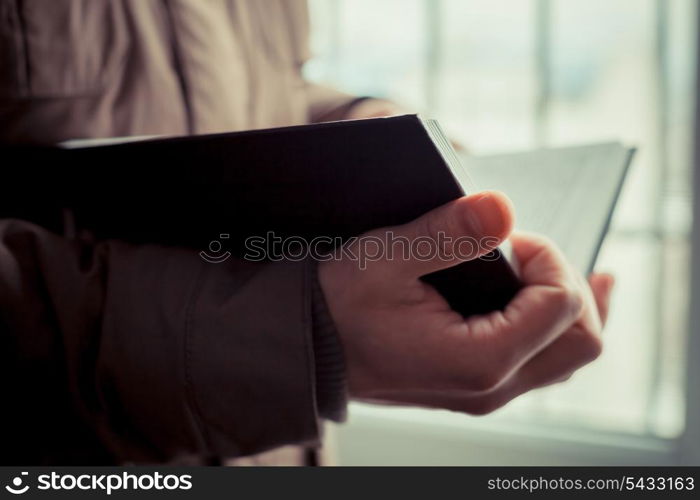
(510, 75)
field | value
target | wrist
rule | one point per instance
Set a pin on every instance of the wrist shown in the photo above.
(372, 108)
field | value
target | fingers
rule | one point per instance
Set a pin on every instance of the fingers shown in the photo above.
(602, 285)
(507, 340)
(542, 263)
(557, 362)
(548, 331)
(574, 349)
(555, 299)
(579, 345)
(455, 232)
(550, 303)
(540, 260)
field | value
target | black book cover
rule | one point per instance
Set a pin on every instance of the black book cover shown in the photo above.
(335, 179)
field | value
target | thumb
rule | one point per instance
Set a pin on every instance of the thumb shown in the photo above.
(461, 230)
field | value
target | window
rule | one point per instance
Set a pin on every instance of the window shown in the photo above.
(505, 76)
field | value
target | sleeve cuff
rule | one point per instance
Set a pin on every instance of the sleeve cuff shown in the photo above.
(331, 386)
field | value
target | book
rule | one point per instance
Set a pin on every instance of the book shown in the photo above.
(336, 179)
(567, 193)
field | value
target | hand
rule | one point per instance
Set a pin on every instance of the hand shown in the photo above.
(373, 108)
(404, 345)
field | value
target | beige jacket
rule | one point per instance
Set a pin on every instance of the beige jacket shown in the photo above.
(104, 68)
(142, 353)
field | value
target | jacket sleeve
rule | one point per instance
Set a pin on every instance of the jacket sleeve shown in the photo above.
(162, 353)
(327, 103)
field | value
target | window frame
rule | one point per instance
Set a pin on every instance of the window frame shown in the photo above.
(690, 444)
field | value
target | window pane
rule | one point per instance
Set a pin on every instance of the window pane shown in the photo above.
(486, 81)
(605, 85)
(370, 52)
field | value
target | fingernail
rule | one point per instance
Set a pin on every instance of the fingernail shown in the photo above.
(486, 215)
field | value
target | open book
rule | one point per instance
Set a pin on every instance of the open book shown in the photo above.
(567, 193)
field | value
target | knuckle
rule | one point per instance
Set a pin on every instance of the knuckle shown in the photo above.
(432, 226)
(587, 345)
(486, 381)
(569, 299)
(592, 348)
(498, 361)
